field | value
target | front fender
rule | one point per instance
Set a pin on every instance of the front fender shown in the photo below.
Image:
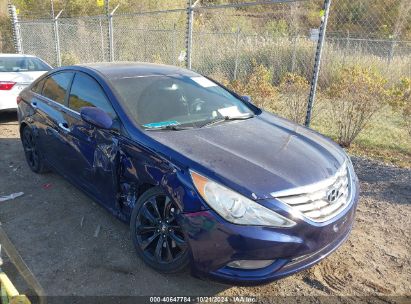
(142, 168)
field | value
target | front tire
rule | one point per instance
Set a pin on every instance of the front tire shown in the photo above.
(31, 151)
(157, 236)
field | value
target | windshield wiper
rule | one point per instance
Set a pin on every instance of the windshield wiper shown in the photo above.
(226, 118)
(168, 127)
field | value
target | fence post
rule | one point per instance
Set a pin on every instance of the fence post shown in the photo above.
(294, 54)
(348, 44)
(110, 29)
(317, 61)
(110, 32)
(189, 37)
(57, 38)
(174, 56)
(102, 39)
(392, 47)
(346, 47)
(16, 28)
(110, 38)
(107, 12)
(237, 43)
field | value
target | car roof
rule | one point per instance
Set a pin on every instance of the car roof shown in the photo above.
(15, 55)
(118, 70)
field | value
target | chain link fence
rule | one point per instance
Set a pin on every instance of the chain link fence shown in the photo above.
(369, 34)
(230, 41)
(265, 48)
(150, 37)
(83, 39)
(37, 38)
(258, 47)
(228, 38)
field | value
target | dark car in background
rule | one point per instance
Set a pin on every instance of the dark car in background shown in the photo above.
(204, 177)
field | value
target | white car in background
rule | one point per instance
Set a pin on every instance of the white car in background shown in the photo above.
(16, 72)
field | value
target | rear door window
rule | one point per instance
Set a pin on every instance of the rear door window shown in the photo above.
(55, 86)
(38, 87)
(86, 92)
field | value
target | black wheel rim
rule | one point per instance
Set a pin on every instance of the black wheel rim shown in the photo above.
(29, 145)
(158, 234)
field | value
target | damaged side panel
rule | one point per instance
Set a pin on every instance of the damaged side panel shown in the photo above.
(96, 164)
(138, 171)
(141, 169)
(104, 156)
(116, 170)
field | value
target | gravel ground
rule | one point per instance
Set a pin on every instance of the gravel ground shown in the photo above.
(53, 226)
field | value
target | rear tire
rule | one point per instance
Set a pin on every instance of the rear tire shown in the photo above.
(157, 236)
(33, 155)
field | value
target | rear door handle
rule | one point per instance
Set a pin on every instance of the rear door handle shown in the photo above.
(34, 104)
(64, 126)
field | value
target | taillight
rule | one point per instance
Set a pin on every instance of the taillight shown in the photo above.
(6, 85)
(19, 99)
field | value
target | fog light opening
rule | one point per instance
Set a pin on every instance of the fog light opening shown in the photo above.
(250, 264)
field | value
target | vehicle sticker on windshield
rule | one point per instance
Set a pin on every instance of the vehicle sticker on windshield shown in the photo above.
(204, 82)
(161, 124)
(230, 111)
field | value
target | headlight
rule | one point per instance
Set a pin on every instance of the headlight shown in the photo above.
(236, 208)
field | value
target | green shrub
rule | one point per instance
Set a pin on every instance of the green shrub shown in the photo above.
(69, 59)
(258, 85)
(277, 28)
(356, 96)
(400, 100)
(293, 91)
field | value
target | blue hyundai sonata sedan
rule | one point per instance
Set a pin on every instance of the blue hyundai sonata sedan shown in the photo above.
(204, 177)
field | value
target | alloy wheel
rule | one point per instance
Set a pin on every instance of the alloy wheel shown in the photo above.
(29, 145)
(158, 233)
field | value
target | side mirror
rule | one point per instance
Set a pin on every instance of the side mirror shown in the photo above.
(96, 117)
(246, 98)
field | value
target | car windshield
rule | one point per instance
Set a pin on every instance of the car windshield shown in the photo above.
(22, 64)
(176, 100)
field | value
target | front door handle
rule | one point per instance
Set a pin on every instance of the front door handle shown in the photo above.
(34, 104)
(64, 126)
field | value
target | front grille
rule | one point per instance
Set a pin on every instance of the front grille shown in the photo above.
(320, 201)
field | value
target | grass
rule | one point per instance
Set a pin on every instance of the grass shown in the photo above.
(277, 55)
(385, 138)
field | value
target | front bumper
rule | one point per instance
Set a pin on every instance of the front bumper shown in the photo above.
(214, 243)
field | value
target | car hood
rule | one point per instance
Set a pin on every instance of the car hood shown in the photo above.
(20, 77)
(258, 156)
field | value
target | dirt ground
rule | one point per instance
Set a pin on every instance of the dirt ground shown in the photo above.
(54, 226)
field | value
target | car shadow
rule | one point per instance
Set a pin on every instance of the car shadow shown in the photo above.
(8, 117)
(383, 182)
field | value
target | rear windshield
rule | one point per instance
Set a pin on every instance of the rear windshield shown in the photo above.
(22, 64)
(157, 101)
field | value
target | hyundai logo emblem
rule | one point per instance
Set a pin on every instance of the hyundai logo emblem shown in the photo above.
(333, 195)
